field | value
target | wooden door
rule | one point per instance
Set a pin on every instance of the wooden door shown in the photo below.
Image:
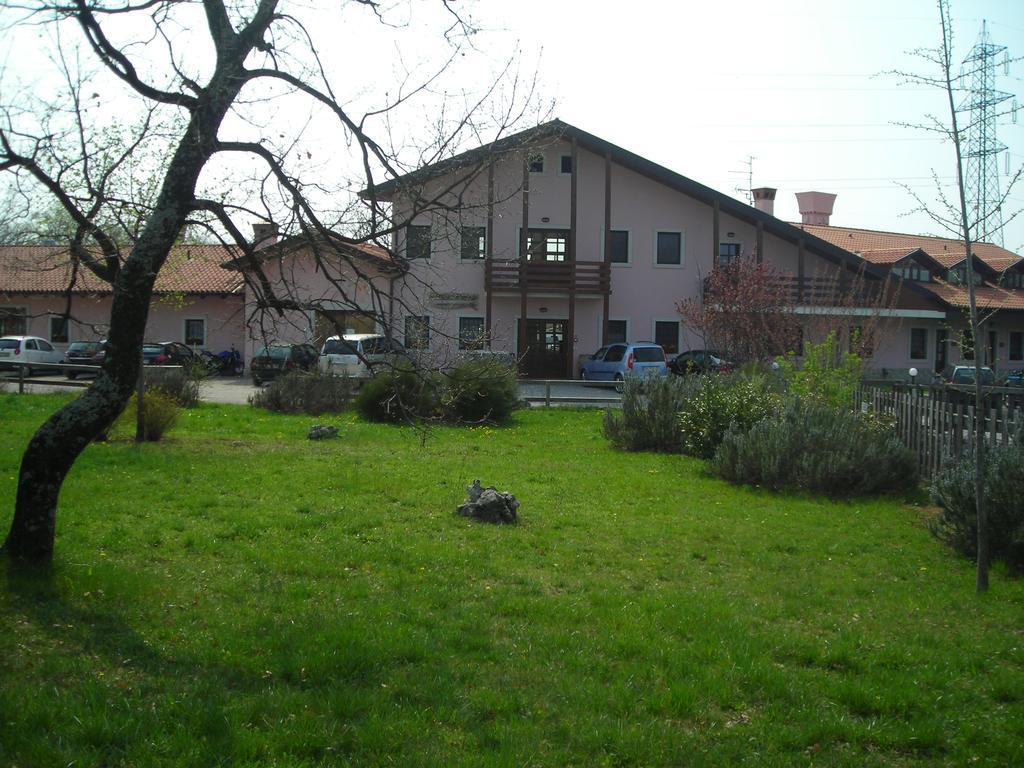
(546, 349)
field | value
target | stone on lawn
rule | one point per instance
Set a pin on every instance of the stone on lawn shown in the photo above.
(488, 504)
(322, 432)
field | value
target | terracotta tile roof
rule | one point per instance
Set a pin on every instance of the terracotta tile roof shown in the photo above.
(382, 258)
(190, 269)
(988, 297)
(946, 251)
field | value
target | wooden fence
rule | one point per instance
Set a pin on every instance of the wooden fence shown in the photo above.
(938, 423)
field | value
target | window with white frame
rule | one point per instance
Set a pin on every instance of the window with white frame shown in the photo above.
(918, 343)
(666, 335)
(669, 248)
(417, 331)
(13, 321)
(417, 241)
(59, 329)
(473, 244)
(728, 253)
(618, 251)
(471, 333)
(195, 332)
(913, 271)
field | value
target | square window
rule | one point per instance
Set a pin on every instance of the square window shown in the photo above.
(417, 331)
(728, 253)
(617, 331)
(670, 248)
(619, 250)
(918, 343)
(536, 163)
(13, 322)
(566, 166)
(417, 241)
(471, 333)
(59, 330)
(474, 243)
(666, 335)
(195, 332)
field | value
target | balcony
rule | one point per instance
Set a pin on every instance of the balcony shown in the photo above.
(821, 292)
(584, 277)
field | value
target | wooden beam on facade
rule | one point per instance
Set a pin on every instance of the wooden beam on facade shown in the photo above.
(760, 242)
(607, 242)
(801, 269)
(523, 258)
(570, 332)
(489, 253)
(716, 235)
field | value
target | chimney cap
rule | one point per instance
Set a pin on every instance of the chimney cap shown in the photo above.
(815, 207)
(764, 193)
(264, 233)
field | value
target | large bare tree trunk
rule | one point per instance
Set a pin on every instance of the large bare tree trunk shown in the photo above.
(54, 448)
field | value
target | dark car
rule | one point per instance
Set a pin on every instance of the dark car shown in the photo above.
(699, 361)
(964, 374)
(1015, 378)
(84, 353)
(276, 359)
(168, 353)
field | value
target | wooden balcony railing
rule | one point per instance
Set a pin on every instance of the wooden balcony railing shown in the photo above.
(825, 292)
(586, 277)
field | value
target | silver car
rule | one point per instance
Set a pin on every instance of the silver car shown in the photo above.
(360, 355)
(27, 349)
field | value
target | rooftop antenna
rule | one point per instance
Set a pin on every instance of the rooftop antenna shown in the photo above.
(745, 192)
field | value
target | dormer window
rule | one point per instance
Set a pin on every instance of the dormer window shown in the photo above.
(1014, 279)
(913, 271)
(958, 276)
(536, 163)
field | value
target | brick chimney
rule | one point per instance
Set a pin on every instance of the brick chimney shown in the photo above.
(815, 207)
(764, 199)
(264, 234)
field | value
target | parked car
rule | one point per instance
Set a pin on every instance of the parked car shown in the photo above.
(84, 353)
(276, 359)
(168, 353)
(360, 355)
(964, 374)
(27, 349)
(699, 361)
(617, 361)
(1015, 378)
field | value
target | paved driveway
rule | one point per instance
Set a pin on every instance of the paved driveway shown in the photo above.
(239, 390)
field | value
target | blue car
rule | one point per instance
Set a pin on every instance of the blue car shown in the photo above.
(618, 361)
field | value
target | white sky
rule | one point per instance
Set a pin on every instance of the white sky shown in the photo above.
(697, 87)
(700, 87)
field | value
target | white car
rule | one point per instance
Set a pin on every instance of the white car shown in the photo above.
(28, 349)
(359, 355)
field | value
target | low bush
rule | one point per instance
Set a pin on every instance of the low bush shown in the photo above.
(649, 419)
(721, 402)
(159, 414)
(400, 394)
(179, 384)
(481, 390)
(813, 446)
(311, 392)
(826, 374)
(957, 523)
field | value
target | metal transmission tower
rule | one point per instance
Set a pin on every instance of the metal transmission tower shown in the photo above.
(982, 174)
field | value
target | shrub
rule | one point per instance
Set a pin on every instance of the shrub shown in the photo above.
(812, 446)
(719, 403)
(399, 394)
(824, 375)
(649, 419)
(159, 413)
(179, 384)
(311, 392)
(480, 390)
(957, 524)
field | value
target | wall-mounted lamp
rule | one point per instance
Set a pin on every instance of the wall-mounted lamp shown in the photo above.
(543, 310)
(730, 234)
(545, 219)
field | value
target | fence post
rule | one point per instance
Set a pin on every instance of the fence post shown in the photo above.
(21, 379)
(140, 408)
(547, 394)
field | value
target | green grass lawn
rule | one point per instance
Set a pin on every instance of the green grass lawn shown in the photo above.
(239, 595)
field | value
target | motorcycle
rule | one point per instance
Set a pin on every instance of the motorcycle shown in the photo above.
(226, 363)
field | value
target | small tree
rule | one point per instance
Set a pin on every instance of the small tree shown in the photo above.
(746, 312)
